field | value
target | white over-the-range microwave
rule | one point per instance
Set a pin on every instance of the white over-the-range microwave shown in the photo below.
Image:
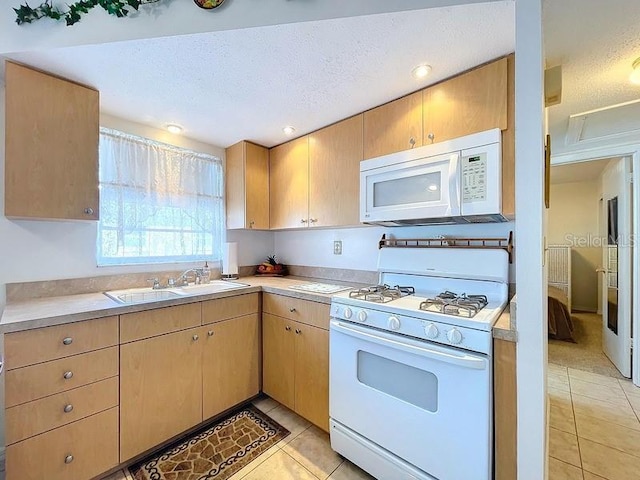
(457, 181)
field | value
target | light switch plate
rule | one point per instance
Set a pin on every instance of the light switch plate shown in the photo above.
(337, 247)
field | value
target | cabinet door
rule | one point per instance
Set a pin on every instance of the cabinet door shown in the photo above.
(230, 363)
(160, 389)
(312, 374)
(289, 184)
(505, 409)
(472, 102)
(257, 186)
(335, 153)
(51, 163)
(247, 181)
(278, 358)
(393, 127)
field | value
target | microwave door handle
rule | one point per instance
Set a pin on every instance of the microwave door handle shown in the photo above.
(410, 346)
(454, 184)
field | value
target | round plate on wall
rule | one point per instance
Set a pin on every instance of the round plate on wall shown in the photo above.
(208, 4)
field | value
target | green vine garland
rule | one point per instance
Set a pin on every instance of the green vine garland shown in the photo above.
(119, 8)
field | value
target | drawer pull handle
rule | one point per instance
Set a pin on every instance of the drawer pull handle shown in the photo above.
(68, 375)
(298, 331)
(67, 341)
(68, 459)
(210, 333)
(68, 408)
(287, 328)
(292, 309)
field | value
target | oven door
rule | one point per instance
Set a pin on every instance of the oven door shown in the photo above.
(418, 189)
(428, 404)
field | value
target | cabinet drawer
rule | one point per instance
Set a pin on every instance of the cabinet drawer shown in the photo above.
(78, 451)
(49, 343)
(303, 311)
(150, 323)
(230, 307)
(29, 419)
(36, 381)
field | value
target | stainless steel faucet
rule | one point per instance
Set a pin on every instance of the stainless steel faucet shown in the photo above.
(197, 276)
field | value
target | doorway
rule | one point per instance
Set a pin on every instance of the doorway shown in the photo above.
(589, 300)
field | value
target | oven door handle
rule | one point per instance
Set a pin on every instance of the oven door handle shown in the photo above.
(408, 345)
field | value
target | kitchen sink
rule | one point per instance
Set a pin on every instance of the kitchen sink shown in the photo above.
(141, 295)
(144, 295)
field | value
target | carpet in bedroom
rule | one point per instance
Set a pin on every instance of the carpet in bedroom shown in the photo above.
(586, 354)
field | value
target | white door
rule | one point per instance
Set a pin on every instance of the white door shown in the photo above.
(616, 287)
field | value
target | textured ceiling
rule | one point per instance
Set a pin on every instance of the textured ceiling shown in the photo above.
(595, 42)
(227, 86)
(578, 172)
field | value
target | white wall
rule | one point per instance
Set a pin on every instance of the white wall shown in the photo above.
(573, 219)
(179, 17)
(360, 244)
(39, 250)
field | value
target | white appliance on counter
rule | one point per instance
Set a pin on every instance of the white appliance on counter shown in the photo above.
(457, 181)
(410, 364)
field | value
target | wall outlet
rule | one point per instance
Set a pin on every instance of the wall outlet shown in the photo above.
(337, 247)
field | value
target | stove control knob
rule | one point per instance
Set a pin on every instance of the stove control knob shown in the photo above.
(431, 331)
(336, 310)
(348, 313)
(394, 323)
(362, 316)
(454, 336)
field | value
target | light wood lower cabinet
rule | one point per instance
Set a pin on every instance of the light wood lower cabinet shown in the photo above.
(505, 409)
(295, 368)
(78, 451)
(278, 354)
(230, 364)
(160, 389)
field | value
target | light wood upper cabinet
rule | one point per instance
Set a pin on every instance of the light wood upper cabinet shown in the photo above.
(51, 159)
(160, 389)
(247, 186)
(472, 102)
(335, 153)
(289, 184)
(231, 364)
(509, 144)
(394, 126)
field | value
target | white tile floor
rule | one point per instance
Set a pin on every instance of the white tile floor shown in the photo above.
(305, 454)
(594, 426)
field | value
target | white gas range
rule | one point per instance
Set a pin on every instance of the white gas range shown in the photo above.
(410, 364)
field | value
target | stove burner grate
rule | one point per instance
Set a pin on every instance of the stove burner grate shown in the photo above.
(451, 303)
(381, 293)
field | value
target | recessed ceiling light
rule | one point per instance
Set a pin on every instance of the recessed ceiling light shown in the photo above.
(173, 128)
(635, 75)
(288, 130)
(421, 71)
(433, 187)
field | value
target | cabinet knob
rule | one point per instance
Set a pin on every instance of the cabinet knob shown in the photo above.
(68, 408)
(210, 333)
(292, 309)
(251, 223)
(88, 211)
(412, 142)
(195, 337)
(431, 137)
(313, 220)
(68, 459)
(68, 375)
(298, 331)
(287, 328)
(304, 220)
(67, 341)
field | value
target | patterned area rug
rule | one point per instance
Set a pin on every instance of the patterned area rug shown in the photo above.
(215, 452)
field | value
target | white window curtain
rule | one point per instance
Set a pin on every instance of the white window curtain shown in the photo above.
(158, 203)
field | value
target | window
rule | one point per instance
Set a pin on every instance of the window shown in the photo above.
(158, 203)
